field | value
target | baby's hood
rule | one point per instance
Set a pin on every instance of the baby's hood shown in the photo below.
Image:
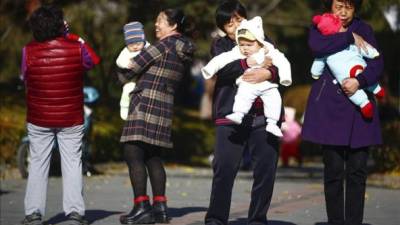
(255, 27)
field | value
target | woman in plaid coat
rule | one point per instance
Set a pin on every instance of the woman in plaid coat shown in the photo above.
(159, 69)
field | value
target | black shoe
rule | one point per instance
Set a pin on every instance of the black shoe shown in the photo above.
(141, 213)
(75, 218)
(160, 211)
(33, 219)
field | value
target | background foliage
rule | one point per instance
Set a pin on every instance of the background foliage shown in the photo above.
(100, 23)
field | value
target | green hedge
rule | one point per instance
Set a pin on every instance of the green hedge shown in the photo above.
(193, 138)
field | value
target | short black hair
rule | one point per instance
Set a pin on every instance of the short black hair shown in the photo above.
(226, 9)
(357, 3)
(46, 23)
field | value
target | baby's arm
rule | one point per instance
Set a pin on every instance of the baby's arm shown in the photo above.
(124, 58)
(371, 52)
(283, 64)
(317, 67)
(219, 61)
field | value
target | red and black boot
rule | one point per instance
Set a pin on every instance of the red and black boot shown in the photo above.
(141, 213)
(160, 209)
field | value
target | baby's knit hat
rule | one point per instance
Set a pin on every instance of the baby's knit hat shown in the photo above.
(133, 33)
(327, 23)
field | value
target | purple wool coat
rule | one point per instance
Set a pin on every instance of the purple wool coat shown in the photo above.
(330, 117)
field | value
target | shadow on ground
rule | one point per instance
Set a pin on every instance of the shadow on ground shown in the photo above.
(2, 192)
(179, 212)
(243, 221)
(299, 173)
(324, 223)
(90, 215)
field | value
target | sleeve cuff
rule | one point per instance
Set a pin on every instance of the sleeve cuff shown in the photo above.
(350, 38)
(244, 65)
(361, 81)
(274, 74)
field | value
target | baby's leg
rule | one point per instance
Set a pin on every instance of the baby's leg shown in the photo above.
(244, 98)
(360, 99)
(378, 91)
(125, 99)
(272, 110)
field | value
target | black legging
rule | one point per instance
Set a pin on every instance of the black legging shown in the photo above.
(143, 159)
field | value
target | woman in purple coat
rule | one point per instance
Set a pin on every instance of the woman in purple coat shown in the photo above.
(333, 121)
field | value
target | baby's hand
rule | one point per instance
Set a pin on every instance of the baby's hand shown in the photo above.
(360, 43)
(266, 50)
(267, 62)
(251, 62)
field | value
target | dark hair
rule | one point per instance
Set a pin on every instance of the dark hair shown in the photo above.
(183, 23)
(46, 23)
(226, 9)
(357, 3)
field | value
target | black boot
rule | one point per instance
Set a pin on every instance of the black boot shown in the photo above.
(141, 214)
(160, 211)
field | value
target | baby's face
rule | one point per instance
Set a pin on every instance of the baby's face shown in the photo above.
(248, 48)
(134, 47)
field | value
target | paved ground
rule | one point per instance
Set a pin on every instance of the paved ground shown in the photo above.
(298, 198)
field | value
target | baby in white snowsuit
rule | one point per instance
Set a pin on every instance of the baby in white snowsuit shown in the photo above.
(135, 41)
(251, 43)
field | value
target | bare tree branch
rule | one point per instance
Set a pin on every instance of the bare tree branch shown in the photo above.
(287, 23)
(271, 6)
(256, 9)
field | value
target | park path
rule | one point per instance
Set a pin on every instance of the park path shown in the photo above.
(297, 200)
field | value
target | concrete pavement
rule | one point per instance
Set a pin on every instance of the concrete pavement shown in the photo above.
(298, 198)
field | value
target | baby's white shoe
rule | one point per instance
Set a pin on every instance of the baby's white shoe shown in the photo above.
(274, 129)
(236, 117)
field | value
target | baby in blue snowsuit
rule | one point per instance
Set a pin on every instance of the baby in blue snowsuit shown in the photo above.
(346, 63)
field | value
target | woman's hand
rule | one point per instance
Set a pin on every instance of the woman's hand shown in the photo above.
(350, 86)
(256, 75)
(360, 42)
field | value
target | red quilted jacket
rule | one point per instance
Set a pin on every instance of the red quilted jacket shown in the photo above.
(54, 83)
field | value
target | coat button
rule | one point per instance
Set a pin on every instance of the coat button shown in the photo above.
(339, 91)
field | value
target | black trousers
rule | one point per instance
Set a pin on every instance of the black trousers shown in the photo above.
(230, 143)
(345, 167)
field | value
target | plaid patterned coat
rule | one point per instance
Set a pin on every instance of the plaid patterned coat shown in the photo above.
(160, 67)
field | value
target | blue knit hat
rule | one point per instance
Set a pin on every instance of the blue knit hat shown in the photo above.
(134, 33)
